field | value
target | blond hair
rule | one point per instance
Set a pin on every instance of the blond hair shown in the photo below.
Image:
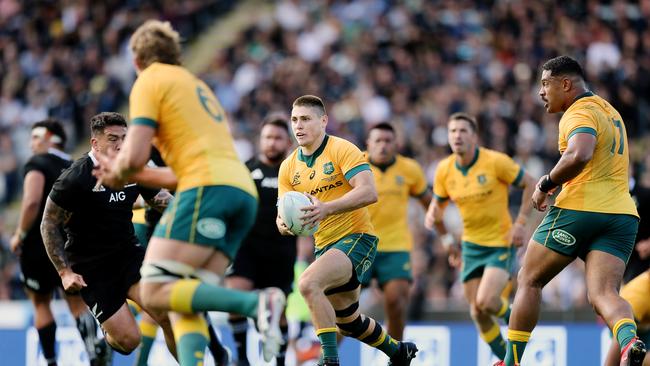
(156, 41)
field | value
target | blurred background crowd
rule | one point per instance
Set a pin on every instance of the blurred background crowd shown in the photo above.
(411, 63)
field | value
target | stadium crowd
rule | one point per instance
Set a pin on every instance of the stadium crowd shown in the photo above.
(410, 63)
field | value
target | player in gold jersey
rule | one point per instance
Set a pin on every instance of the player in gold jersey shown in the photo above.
(476, 179)
(337, 178)
(594, 217)
(215, 202)
(397, 178)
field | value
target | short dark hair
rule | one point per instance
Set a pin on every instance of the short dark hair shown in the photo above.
(99, 122)
(385, 126)
(564, 65)
(277, 119)
(310, 101)
(465, 117)
(55, 128)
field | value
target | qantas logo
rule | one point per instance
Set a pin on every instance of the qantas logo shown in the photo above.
(326, 188)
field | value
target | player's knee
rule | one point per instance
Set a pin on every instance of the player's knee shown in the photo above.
(396, 303)
(528, 279)
(475, 312)
(308, 287)
(485, 304)
(125, 342)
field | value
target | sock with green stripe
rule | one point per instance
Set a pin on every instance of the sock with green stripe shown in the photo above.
(193, 296)
(494, 339)
(191, 335)
(504, 312)
(329, 348)
(148, 331)
(517, 341)
(624, 330)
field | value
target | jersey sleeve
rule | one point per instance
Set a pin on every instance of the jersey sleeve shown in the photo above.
(148, 193)
(419, 184)
(143, 101)
(508, 171)
(35, 163)
(351, 160)
(284, 180)
(66, 191)
(439, 188)
(578, 121)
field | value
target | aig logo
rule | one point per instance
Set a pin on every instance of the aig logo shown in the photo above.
(117, 196)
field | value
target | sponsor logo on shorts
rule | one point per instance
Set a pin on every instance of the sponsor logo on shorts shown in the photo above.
(211, 228)
(366, 265)
(563, 237)
(503, 257)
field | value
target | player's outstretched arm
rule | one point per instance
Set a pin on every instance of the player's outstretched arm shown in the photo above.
(53, 218)
(363, 193)
(159, 177)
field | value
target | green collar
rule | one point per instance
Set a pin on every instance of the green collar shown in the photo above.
(588, 93)
(311, 159)
(465, 169)
(383, 167)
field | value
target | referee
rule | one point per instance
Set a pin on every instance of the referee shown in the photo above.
(266, 258)
(102, 256)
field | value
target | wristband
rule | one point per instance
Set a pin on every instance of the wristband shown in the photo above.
(447, 240)
(546, 184)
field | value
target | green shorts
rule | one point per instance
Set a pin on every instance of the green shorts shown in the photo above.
(390, 266)
(575, 233)
(213, 216)
(476, 257)
(141, 233)
(360, 248)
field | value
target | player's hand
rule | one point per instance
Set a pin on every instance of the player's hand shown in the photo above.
(105, 172)
(643, 248)
(72, 282)
(282, 227)
(429, 219)
(517, 234)
(315, 213)
(540, 199)
(16, 244)
(454, 253)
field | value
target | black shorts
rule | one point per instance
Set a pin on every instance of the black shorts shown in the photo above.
(38, 273)
(109, 281)
(266, 264)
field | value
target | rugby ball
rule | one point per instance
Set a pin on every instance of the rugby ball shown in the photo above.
(289, 206)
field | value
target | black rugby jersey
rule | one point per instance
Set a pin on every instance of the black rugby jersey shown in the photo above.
(100, 224)
(265, 232)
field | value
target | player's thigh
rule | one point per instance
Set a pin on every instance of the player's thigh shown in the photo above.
(603, 273)
(360, 250)
(122, 327)
(331, 269)
(470, 289)
(492, 283)
(541, 264)
(205, 219)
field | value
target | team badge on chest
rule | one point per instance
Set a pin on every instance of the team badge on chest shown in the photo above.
(328, 168)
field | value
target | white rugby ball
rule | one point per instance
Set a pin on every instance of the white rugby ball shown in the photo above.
(289, 206)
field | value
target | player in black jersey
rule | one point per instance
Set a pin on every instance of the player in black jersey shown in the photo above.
(38, 275)
(266, 258)
(102, 256)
